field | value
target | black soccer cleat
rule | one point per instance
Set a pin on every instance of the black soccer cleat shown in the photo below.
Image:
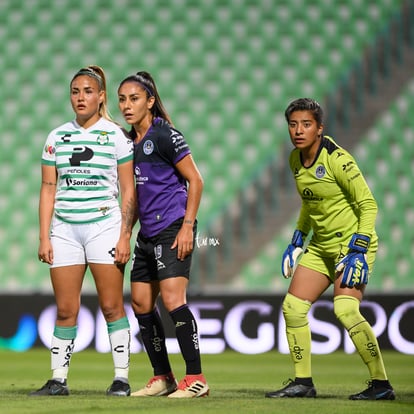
(375, 391)
(293, 390)
(52, 387)
(119, 389)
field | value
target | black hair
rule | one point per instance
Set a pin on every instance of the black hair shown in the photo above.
(305, 104)
(146, 81)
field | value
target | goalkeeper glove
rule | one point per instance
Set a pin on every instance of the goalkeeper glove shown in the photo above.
(354, 265)
(291, 254)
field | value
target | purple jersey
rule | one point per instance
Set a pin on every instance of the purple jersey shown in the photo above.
(161, 189)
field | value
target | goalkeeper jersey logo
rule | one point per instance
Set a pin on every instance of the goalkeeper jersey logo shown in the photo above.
(320, 171)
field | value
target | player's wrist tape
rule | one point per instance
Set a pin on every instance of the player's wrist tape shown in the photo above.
(359, 242)
(297, 239)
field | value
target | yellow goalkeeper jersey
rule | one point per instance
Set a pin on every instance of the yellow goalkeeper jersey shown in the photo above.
(336, 200)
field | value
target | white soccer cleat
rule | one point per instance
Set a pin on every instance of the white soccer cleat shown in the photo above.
(191, 386)
(157, 386)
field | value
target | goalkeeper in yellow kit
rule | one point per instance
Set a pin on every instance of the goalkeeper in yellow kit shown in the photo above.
(338, 214)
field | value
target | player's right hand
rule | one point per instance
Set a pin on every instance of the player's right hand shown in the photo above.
(292, 253)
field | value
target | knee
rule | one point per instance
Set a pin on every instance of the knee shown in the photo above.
(346, 309)
(141, 308)
(143, 303)
(112, 311)
(173, 298)
(295, 310)
(172, 302)
(67, 313)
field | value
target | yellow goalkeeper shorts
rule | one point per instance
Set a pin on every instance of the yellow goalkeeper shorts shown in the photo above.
(319, 260)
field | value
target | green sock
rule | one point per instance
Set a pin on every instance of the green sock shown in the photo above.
(298, 334)
(360, 331)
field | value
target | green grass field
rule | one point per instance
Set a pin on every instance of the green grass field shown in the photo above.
(238, 383)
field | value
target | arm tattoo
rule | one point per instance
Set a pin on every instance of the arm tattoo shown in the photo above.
(128, 215)
(48, 183)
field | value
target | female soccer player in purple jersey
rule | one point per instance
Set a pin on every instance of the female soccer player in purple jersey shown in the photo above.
(339, 210)
(169, 187)
(86, 163)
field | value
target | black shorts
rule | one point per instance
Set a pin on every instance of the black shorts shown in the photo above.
(155, 260)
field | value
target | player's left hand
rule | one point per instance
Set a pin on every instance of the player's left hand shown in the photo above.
(184, 242)
(353, 266)
(122, 251)
(354, 269)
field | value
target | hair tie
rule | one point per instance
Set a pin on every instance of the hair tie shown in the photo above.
(92, 74)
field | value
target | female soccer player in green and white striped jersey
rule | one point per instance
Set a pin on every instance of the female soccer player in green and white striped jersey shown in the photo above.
(82, 224)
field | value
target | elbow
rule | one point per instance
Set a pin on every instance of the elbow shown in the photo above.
(201, 183)
(197, 182)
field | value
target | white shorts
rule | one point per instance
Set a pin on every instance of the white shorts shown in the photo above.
(85, 243)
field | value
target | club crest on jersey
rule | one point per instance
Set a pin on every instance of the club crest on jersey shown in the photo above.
(320, 171)
(148, 147)
(103, 138)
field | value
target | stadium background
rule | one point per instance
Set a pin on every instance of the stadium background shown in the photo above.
(226, 71)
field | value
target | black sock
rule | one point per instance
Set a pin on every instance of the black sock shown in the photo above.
(304, 381)
(187, 337)
(153, 337)
(381, 383)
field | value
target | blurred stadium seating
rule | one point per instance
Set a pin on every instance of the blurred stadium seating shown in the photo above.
(225, 71)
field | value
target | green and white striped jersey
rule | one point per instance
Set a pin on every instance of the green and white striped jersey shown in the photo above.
(86, 162)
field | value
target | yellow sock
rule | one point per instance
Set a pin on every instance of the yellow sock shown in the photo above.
(347, 311)
(298, 334)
